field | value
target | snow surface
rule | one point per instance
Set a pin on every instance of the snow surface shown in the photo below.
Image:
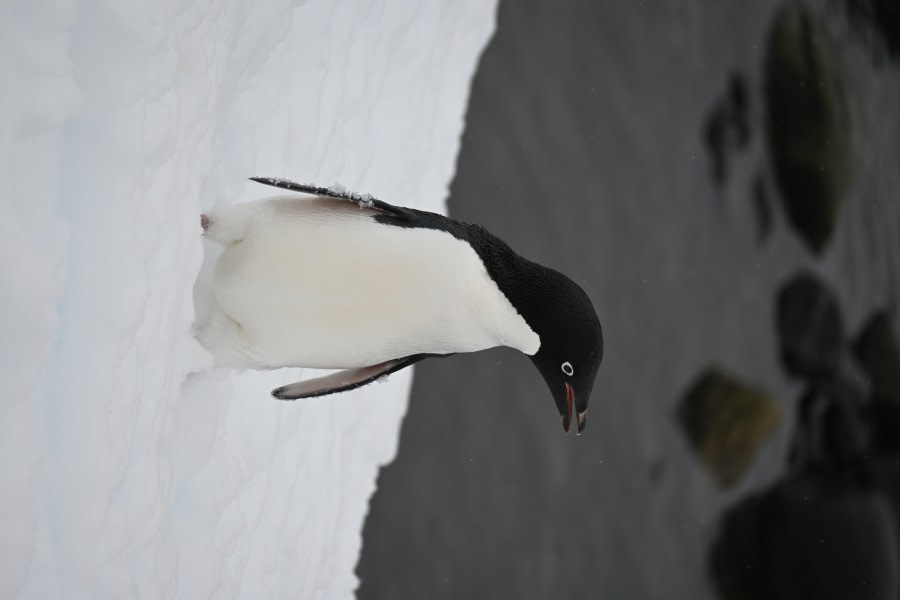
(128, 467)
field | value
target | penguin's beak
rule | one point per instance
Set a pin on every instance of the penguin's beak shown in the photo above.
(570, 407)
(570, 403)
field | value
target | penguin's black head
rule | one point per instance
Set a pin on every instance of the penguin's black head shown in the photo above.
(571, 344)
(557, 310)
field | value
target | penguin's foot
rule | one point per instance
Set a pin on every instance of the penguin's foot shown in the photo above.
(204, 221)
(343, 381)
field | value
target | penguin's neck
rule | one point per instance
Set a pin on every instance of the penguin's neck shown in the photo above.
(499, 319)
(523, 285)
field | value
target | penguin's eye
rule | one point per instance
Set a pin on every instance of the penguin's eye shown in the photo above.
(567, 368)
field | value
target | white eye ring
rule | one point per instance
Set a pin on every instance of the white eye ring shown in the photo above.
(567, 368)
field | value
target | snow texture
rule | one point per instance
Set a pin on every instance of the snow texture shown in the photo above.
(129, 467)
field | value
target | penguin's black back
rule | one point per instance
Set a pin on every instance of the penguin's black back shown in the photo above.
(547, 300)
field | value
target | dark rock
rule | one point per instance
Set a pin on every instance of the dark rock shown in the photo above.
(727, 127)
(816, 535)
(886, 477)
(810, 329)
(726, 422)
(879, 18)
(887, 18)
(877, 352)
(739, 568)
(739, 102)
(885, 427)
(885, 474)
(831, 429)
(715, 135)
(827, 538)
(763, 209)
(809, 122)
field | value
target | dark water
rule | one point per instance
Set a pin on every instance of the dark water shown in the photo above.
(585, 149)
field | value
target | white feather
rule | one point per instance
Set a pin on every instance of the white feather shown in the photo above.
(316, 282)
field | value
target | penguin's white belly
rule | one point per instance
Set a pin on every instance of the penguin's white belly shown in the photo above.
(319, 283)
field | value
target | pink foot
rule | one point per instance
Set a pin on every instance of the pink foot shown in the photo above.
(204, 221)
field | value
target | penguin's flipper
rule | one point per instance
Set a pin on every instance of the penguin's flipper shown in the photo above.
(335, 191)
(343, 381)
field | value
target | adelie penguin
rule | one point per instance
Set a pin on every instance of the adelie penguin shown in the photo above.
(325, 278)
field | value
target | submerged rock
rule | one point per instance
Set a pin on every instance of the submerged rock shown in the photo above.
(885, 474)
(727, 128)
(881, 18)
(726, 422)
(810, 328)
(809, 122)
(830, 540)
(885, 426)
(739, 567)
(816, 535)
(878, 354)
(887, 18)
(831, 429)
(762, 208)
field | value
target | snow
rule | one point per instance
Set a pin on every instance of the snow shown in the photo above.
(129, 466)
